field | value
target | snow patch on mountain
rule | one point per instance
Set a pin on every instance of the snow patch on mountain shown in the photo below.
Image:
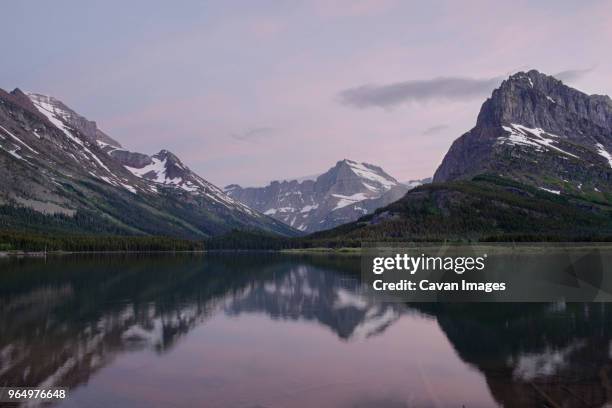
(309, 207)
(49, 107)
(557, 192)
(601, 150)
(14, 154)
(58, 117)
(18, 140)
(369, 172)
(535, 137)
(348, 200)
(156, 171)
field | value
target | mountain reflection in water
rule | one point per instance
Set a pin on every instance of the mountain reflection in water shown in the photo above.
(276, 331)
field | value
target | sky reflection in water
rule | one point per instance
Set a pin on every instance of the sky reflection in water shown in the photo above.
(282, 331)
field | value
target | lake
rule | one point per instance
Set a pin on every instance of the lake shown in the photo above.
(272, 330)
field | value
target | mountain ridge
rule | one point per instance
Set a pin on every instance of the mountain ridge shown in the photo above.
(537, 130)
(342, 194)
(536, 166)
(55, 161)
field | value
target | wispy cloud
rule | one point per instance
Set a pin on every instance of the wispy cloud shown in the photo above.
(434, 130)
(422, 90)
(573, 74)
(254, 135)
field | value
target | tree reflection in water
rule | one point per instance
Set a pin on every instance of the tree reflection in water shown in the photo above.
(64, 318)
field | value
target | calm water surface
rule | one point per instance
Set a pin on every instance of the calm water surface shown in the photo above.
(283, 331)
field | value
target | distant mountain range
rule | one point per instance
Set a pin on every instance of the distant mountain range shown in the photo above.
(344, 193)
(538, 162)
(56, 162)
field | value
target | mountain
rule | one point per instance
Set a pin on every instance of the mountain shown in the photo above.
(61, 115)
(62, 174)
(344, 193)
(537, 164)
(537, 130)
(483, 208)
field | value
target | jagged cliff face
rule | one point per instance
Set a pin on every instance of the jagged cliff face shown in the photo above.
(537, 130)
(344, 193)
(55, 161)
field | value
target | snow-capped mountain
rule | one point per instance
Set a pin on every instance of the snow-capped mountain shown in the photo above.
(164, 168)
(536, 166)
(539, 131)
(55, 161)
(344, 193)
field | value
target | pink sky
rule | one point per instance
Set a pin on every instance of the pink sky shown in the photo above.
(246, 94)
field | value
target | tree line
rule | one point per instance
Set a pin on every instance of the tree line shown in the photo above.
(31, 241)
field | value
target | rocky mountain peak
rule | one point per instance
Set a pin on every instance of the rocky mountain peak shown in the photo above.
(19, 93)
(537, 130)
(541, 101)
(345, 162)
(62, 116)
(21, 102)
(343, 193)
(347, 168)
(169, 156)
(172, 166)
(533, 79)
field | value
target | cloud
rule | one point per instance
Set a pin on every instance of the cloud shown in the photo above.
(573, 74)
(422, 90)
(254, 134)
(434, 130)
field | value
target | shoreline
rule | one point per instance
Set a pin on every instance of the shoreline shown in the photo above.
(43, 254)
(493, 247)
